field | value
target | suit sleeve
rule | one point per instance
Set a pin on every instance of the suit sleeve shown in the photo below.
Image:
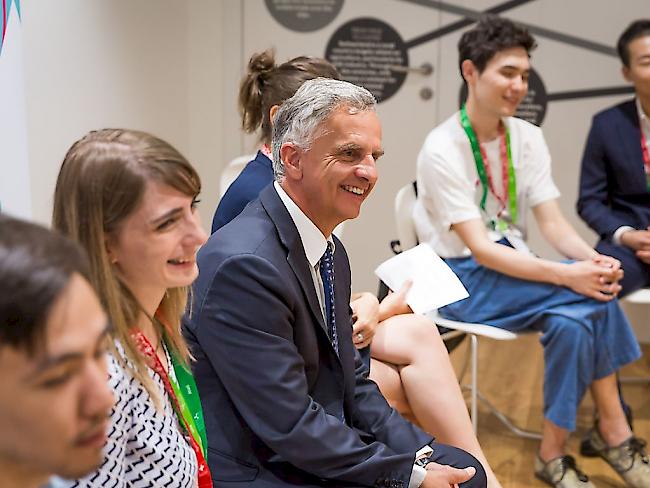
(593, 199)
(371, 414)
(246, 331)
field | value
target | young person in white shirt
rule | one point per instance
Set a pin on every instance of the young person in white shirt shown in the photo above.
(473, 212)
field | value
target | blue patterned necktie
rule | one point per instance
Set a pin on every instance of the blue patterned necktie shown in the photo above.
(327, 276)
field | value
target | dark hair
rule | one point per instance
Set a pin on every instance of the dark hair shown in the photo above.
(267, 85)
(491, 35)
(638, 28)
(36, 265)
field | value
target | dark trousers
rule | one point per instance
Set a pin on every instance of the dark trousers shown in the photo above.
(636, 276)
(452, 456)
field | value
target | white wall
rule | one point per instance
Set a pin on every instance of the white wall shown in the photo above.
(153, 65)
(215, 63)
(95, 64)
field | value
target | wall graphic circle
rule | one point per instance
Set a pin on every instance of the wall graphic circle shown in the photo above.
(304, 15)
(369, 52)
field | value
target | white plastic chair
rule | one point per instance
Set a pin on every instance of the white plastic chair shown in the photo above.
(404, 202)
(640, 297)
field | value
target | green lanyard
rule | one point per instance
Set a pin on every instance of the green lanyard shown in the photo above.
(480, 166)
(189, 402)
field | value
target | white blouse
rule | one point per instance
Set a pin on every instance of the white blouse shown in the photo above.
(145, 447)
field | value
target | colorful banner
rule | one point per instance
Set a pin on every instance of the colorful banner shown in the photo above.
(6, 8)
(15, 196)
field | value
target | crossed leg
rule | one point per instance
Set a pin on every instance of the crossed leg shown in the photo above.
(413, 371)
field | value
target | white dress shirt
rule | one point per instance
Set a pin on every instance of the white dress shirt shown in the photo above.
(313, 242)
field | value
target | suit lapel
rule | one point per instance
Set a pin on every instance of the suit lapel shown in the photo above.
(628, 132)
(295, 251)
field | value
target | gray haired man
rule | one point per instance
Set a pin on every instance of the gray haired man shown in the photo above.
(287, 401)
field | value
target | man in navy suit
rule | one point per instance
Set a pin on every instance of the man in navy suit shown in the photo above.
(615, 178)
(286, 400)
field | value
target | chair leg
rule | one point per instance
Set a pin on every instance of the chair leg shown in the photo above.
(474, 387)
(635, 380)
(466, 362)
(528, 434)
(475, 396)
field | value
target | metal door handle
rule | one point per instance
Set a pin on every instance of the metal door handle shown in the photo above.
(425, 69)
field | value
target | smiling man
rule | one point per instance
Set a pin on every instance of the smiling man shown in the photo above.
(478, 174)
(286, 399)
(54, 394)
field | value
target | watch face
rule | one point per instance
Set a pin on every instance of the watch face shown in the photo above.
(423, 456)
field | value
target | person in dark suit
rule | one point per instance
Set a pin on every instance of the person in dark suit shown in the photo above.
(404, 352)
(286, 399)
(614, 195)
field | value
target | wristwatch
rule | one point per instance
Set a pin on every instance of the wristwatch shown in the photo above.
(423, 456)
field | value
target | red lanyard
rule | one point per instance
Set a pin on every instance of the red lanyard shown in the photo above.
(646, 155)
(147, 350)
(266, 150)
(503, 151)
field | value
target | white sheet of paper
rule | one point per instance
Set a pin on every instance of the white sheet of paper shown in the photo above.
(434, 283)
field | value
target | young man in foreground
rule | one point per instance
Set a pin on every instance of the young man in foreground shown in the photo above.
(54, 394)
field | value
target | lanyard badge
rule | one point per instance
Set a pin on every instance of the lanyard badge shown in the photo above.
(508, 200)
(184, 400)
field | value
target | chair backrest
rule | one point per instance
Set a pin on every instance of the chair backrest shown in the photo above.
(641, 297)
(232, 171)
(404, 202)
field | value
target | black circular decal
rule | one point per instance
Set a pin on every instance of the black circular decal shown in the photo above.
(304, 15)
(369, 52)
(533, 107)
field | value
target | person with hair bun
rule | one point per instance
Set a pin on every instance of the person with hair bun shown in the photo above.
(409, 361)
(130, 200)
(264, 87)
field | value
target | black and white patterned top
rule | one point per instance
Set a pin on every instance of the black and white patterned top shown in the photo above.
(145, 448)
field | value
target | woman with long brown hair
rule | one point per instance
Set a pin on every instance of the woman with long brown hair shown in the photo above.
(129, 199)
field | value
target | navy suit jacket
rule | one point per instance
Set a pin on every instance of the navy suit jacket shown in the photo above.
(271, 384)
(613, 188)
(257, 174)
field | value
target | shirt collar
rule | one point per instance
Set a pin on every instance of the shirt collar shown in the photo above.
(643, 117)
(313, 241)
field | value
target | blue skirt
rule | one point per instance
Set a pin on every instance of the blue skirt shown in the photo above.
(584, 339)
